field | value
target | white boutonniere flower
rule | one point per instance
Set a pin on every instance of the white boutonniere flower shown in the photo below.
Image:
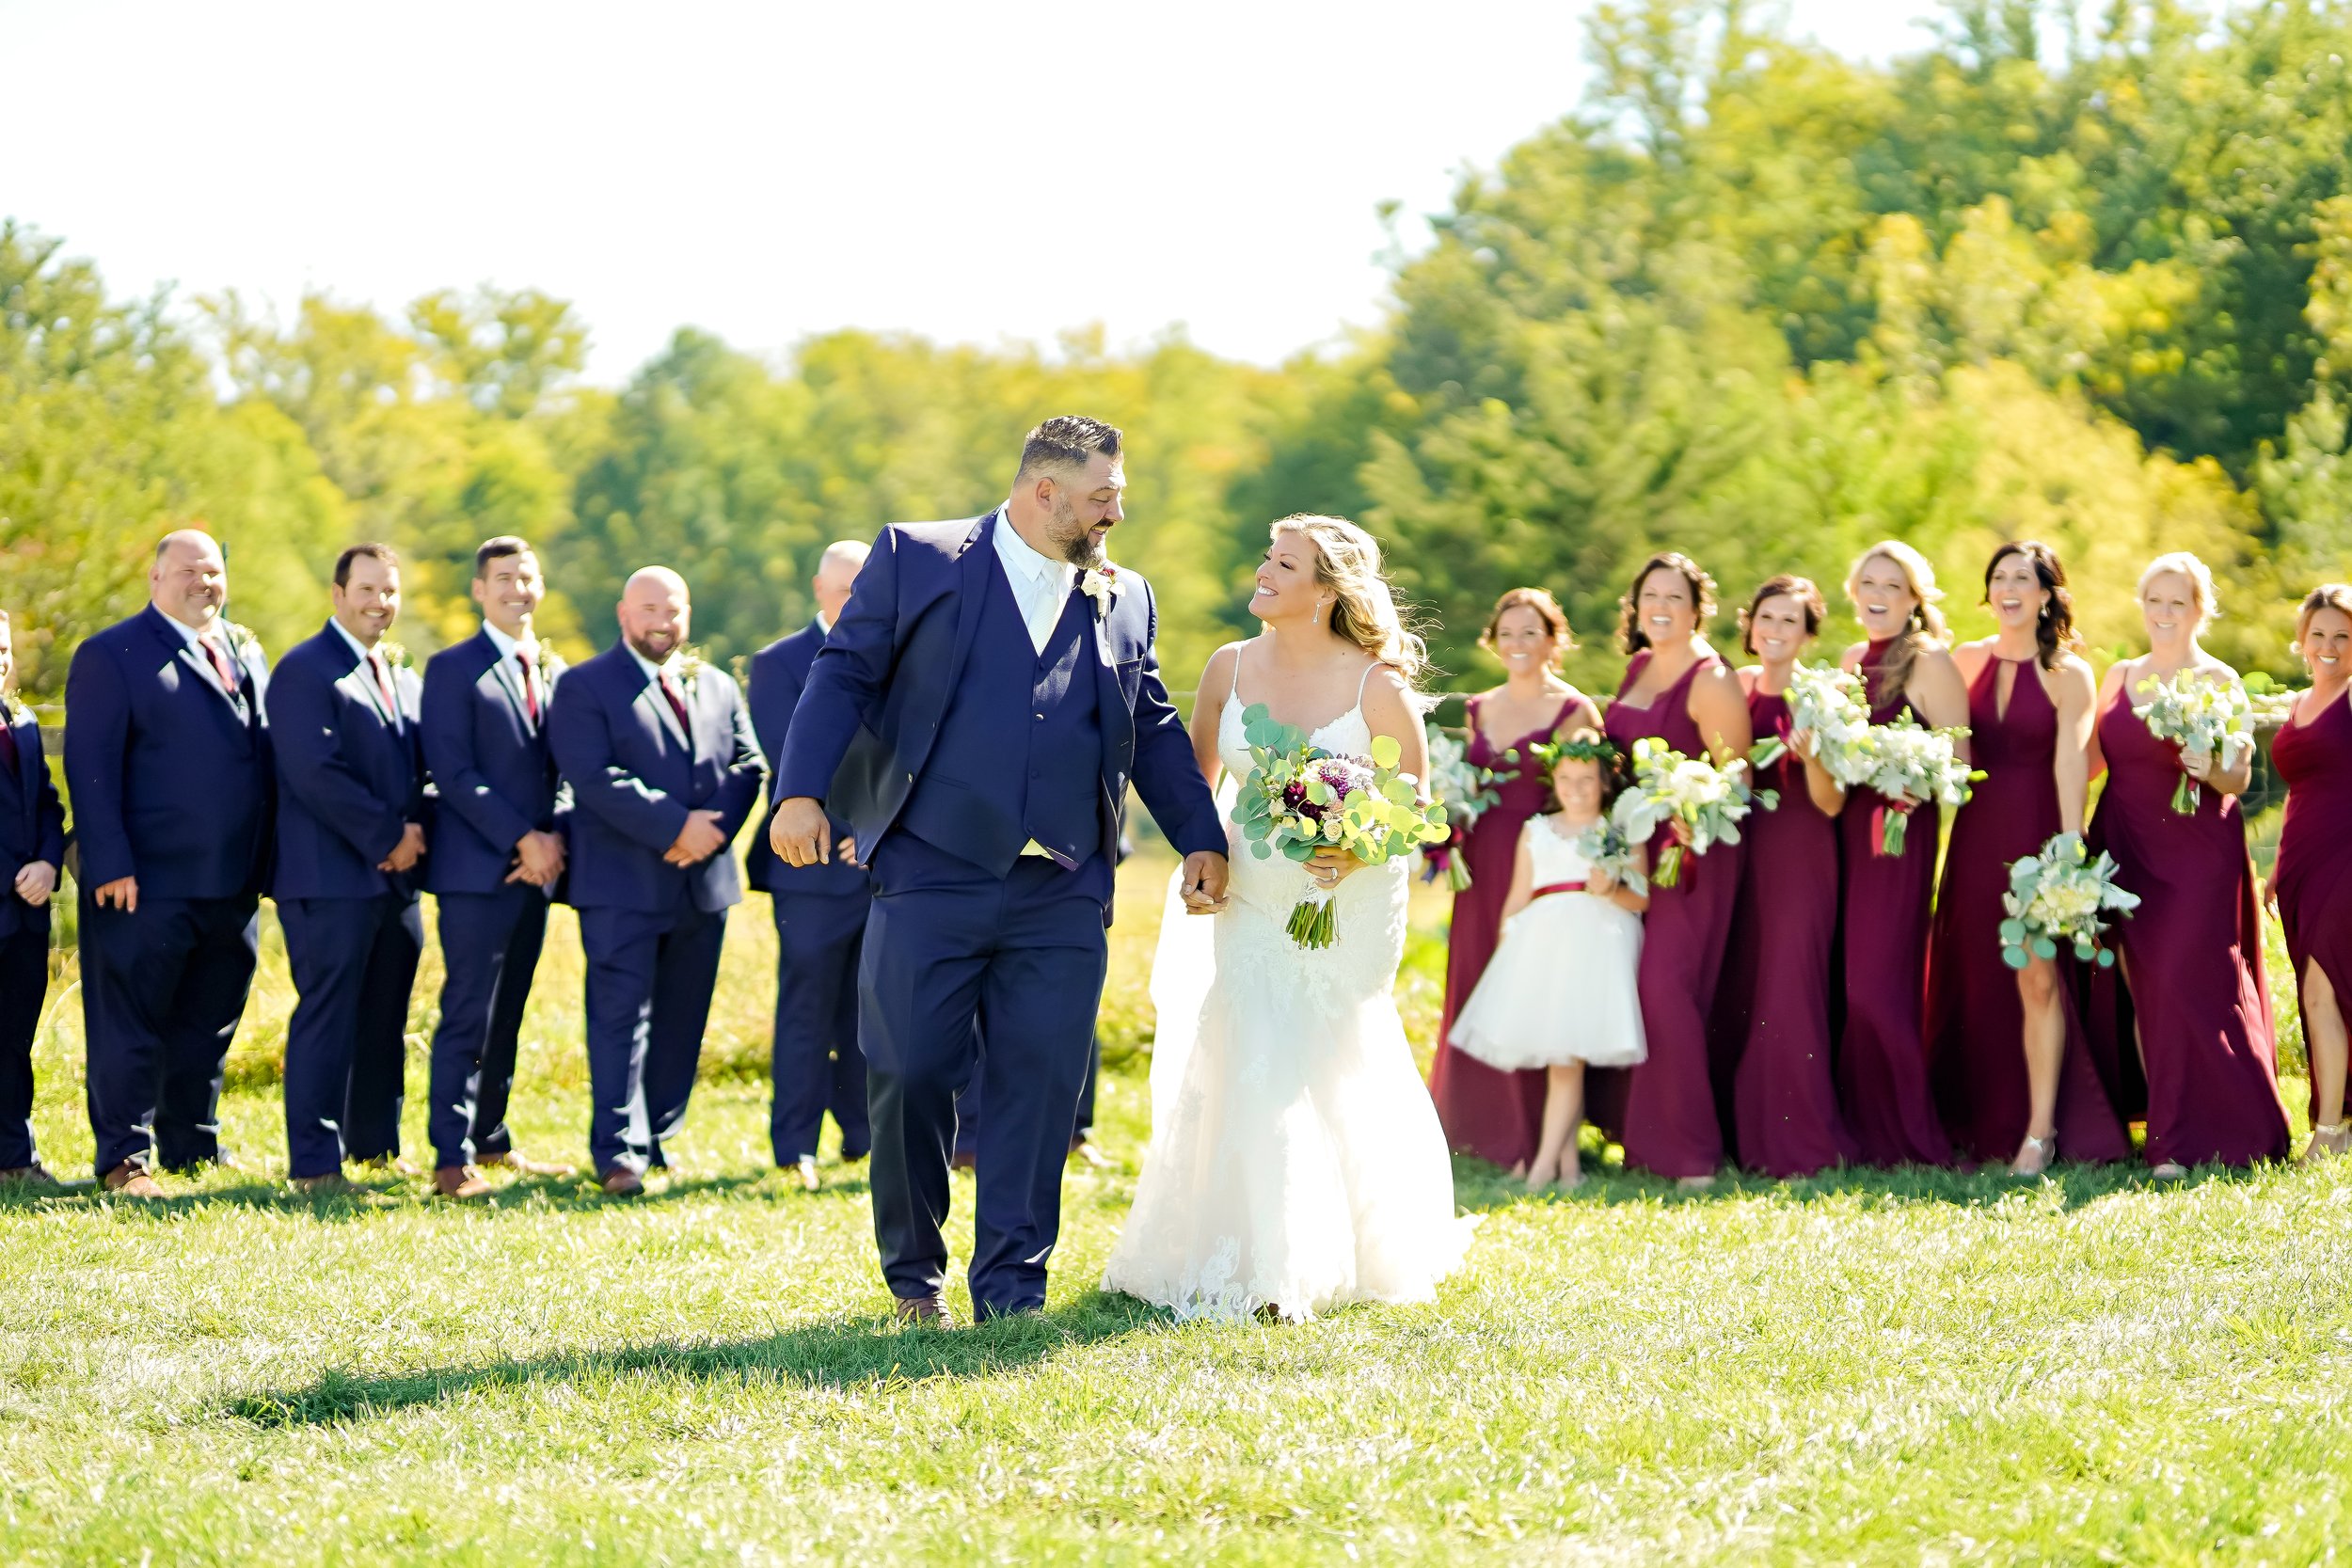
(690, 664)
(549, 663)
(1101, 584)
(394, 656)
(239, 641)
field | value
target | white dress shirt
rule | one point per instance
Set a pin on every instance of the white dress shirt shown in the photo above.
(1040, 585)
(197, 642)
(507, 648)
(368, 656)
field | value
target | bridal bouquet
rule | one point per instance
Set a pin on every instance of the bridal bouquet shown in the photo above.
(1906, 760)
(2059, 895)
(1606, 848)
(1825, 703)
(1701, 802)
(1300, 798)
(1465, 790)
(2204, 718)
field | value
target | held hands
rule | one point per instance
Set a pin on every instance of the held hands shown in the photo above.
(701, 838)
(800, 835)
(1202, 886)
(407, 852)
(539, 859)
(122, 893)
(35, 881)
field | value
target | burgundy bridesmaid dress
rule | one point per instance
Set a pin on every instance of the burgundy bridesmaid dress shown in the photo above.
(1664, 1110)
(1772, 1006)
(1882, 1058)
(1494, 1115)
(1976, 1022)
(2192, 955)
(2314, 877)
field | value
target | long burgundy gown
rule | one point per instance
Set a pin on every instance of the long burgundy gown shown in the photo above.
(1882, 1058)
(1772, 1004)
(1668, 1122)
(2192, 957)
(1976, 1022)
(2314, 877)
(1492, 1114)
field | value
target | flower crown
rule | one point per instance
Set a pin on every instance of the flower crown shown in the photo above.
(1552, 752)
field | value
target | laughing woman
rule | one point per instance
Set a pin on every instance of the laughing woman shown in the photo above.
(2192, 951)
(1882, 1058)
(1489, 1112)
(2029, 717)
(1677, 690)
(2313, 881)
(1772, 1007)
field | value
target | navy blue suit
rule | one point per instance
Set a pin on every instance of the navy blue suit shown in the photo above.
(32, 828)
(350, 780)
(494, 781)
(652, 930)
(821, 926)
(172, 783)
(990, 745)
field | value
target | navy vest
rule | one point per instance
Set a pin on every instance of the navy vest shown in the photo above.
(1019, 754)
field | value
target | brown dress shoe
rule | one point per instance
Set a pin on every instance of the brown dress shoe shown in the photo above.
(620, 1181)
(132, 1181)
(333, 1184)
(522, 1164)
(34, 1175)
(459, 1181)
(922, 1313)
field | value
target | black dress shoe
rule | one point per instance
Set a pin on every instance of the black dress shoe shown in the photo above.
(922, 1313)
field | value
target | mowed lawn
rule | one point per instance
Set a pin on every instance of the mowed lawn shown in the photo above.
(1906, 1368)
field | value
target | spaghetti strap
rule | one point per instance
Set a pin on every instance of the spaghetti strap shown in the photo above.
(1232, 692)
(1365, 682)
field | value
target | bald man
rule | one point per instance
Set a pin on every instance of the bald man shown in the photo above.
(819, 912)
(658, 751)
(167, 761)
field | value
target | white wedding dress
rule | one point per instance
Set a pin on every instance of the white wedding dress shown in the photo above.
(1296, 1161)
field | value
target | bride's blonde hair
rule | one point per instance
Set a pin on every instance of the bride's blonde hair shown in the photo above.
(1363, 610)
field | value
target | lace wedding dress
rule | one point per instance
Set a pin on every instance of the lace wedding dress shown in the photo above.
(1295, 1160)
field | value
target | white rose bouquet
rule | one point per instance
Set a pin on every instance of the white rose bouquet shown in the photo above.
(1825, 703)
(2060, 895)
(2205, 717)
(1700, 802)
(1465, 790)
(1910, 764)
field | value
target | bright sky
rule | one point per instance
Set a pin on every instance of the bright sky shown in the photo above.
(973, 172)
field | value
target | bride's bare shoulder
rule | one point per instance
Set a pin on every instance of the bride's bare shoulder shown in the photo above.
(1218, 673)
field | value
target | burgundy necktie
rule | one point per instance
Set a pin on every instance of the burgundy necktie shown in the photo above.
(531, 695)
(221, 667)
(9, 756)
(677, 705)
(383, 684)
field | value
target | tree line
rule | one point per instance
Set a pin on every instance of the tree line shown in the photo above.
(2085, 280)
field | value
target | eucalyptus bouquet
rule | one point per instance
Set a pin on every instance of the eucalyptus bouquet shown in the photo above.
(2059, 896)
(2204, 718)
(1701, 802)
(1906, 760)
(1605, 847)
(1465, 790)
(1300, 798)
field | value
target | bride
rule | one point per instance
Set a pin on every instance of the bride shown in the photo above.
(1295, 1162)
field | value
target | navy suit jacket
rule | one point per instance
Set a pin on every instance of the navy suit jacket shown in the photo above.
(494, 775)
(349, 780)
(32, 822)
(633, 780)
(171, 780)
(779, 675)
(895, 660)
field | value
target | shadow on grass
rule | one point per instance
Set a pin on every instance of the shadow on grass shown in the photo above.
(849, 1352)
(563, 1194)
(1481, 1187)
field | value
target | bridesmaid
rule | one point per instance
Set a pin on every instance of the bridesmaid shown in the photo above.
(2313, 883)
(1771, 1007)
(1882, 1058)
(2030, 716)
(1677, 690)
(1494, 1115)
(2192, 951)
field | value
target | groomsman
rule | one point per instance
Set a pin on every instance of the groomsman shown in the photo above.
(32, 847)
(663, 768)
(496, 855)
(167, 762)
(351, 831)
(821, 917)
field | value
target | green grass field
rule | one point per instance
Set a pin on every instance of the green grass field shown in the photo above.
(1905, 1369)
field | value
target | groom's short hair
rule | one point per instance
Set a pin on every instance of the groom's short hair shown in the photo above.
(1067, 442)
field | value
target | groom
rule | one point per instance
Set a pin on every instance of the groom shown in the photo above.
(1008, 669)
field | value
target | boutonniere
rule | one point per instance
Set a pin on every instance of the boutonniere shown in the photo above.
(550, 664)
(239, 641)
(393, 655)
(1101, 584)
(690, 664)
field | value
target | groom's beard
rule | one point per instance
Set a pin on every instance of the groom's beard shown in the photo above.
(1078, 544)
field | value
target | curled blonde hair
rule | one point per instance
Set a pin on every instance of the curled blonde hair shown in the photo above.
(2199, 582)
(1924, 629)
(1363, 609)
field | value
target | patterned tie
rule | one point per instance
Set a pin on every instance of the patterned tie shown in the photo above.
(677, 705)
(531, 692)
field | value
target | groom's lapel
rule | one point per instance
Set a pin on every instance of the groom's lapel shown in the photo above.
(973, 564)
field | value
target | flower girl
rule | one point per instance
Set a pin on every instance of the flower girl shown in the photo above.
(1559, 992)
